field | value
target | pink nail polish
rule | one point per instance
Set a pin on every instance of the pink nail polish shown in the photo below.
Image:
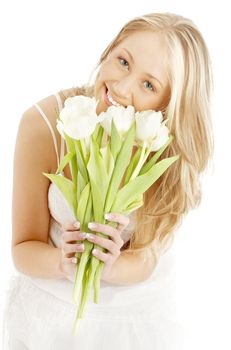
(82, 235)
(91, 225)
(76, 224)
(108, 216)
(81, 247)
(90, 236)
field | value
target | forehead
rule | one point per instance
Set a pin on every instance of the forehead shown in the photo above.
(146, 40)
(148, 48)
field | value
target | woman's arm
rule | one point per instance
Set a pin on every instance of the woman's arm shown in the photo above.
(131, 268)
(34, 154)
(38, 259)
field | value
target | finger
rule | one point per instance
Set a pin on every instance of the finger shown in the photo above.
(106, 243)
(122, 220)
(107, 230)
(101, 255)
(73, 236)
(70, 260)
(75, 225)
(72, 248)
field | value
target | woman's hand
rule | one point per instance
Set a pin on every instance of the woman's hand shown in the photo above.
(113, 244)
(71, 243)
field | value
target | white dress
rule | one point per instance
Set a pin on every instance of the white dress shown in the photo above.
(39, 313)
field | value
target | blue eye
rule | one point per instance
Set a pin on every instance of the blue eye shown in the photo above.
(122, 60)
(149, 85)
(125, 63)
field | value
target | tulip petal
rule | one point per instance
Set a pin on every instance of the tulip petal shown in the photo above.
(155, 157)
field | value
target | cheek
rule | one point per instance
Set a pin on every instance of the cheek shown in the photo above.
(145, 103)
(109, 70)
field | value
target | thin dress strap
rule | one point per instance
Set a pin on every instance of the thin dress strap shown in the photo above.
(59, 101)
(62, 147)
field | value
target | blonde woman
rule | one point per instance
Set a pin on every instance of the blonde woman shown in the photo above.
(157, 61)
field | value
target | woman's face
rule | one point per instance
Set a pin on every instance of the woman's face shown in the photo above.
(134, 73)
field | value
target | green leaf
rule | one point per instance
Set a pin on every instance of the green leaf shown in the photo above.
(155, 157)
(134, 205)
(122, 161)
(65, 160)
(80, 161)
(67, 188)
(88, 213)
(98, 202)
(132, 165)
(83, 201)
(133, 190)
(70, 143)
(85, 152)
(97, 170)
(87, 208)
(115, 142)
(96, 131)
(81, 185)
(98, 134)
(108, 159)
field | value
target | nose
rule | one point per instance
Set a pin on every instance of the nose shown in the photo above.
(124, 87)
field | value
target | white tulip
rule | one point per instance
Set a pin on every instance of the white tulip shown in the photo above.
(150, 129)
(122, 117)
(161, 139)
(78, 118)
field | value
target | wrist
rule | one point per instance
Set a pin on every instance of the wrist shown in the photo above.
(106, 275)
(109, 273)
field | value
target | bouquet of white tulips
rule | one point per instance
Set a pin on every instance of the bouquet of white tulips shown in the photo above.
(100, 157)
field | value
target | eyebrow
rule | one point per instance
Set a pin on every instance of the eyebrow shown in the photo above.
(148, 74)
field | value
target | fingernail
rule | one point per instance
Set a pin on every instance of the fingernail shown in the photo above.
(89, 236)
(91, 225)
(81, 247)
(76, 224)
(74, 260)
(108, 216)
(82, 235)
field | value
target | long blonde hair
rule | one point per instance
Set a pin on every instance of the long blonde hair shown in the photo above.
(178, 190)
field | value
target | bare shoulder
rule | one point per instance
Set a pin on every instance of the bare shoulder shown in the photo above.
(37, 129)
(34, 154)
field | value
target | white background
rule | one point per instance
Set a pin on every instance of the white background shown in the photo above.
(50, 45)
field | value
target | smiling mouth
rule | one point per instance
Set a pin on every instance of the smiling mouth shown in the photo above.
(109, 99)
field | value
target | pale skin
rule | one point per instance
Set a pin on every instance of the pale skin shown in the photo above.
(127, 83)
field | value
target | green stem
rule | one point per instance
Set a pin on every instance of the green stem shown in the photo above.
(79, 275)
(144, 154)
(99, 270)
(85, 296)
(84, 149)
(97, 282)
